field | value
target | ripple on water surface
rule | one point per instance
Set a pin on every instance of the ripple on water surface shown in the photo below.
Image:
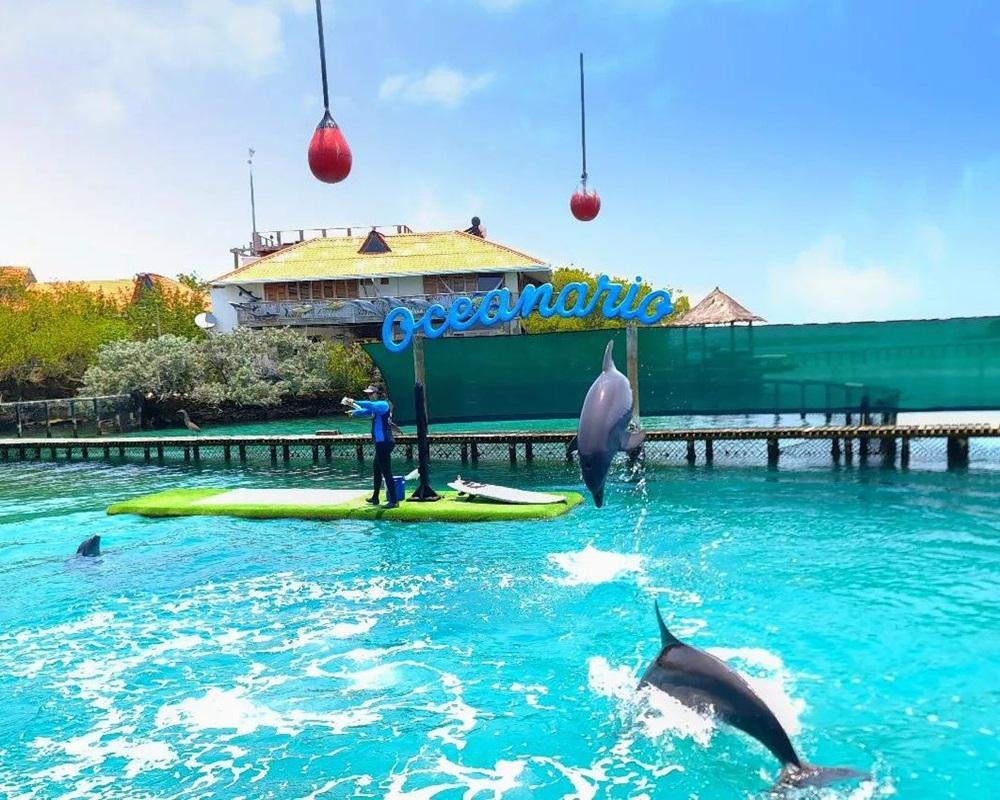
(234, 658)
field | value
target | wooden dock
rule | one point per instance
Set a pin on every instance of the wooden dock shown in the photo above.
(889, 444)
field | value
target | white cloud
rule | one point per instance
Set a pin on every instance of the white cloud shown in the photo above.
(932, 241)
(442, 85)
(123, 46)
(100, 107)
(820, 286)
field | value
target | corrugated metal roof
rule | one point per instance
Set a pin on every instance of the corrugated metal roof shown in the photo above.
(410, 254)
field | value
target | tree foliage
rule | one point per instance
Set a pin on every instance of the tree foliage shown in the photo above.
(49, 335)
(536, 324)
(242, 368)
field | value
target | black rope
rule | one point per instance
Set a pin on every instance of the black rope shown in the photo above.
(322, 55)
(583, 125)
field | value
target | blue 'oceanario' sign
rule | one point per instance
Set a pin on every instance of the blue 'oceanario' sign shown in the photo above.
(497, 306)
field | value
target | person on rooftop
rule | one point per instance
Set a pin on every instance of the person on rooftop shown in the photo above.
(379, 411)
(475, 228)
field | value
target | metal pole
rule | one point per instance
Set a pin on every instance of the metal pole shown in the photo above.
(322, 55)
(583, 126)
(253, 204)
(632, 355)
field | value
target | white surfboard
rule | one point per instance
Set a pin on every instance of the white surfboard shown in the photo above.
(503, 494)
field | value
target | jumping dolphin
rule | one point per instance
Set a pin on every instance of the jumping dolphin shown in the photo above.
(703, 682)
(603, 428)
(90, 547)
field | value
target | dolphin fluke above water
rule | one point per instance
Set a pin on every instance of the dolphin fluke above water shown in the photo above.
(705, 683)
(604, 426)
(90, 547)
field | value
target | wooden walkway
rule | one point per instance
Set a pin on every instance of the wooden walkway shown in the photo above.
(844, 443)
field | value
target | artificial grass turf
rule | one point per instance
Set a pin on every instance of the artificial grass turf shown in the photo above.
(450, 508)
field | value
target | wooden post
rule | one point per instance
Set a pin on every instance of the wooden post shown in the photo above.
(904, 453)
(107, 452)
(848, 450)
(465, 452)
(419, 375)
(159, 452)
(475, 452)
(958, 452)
(197, 453)
(285, 454)
(863, 449)
(773, 452)
(409, 452)
(17, 415)
(632, 358)
(97, 415)
(709, 451)
(359, 451)
(72, 414)
(85, 451)
(274, 454)
(327, 452)
(227, 453)
(48, 421)
(529, 452)
(52, 453)
(187, 453)
(121, 451)
(243, 453)
(888, 448)
(512, 452)
(315, 452)
(835, 450)
(690, 451)
(145, 453)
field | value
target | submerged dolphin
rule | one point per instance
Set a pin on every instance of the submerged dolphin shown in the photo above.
(90, 547)
(603, 428)
(703, 682)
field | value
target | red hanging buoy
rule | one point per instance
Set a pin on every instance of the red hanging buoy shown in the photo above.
(329, 154)
(584, 204)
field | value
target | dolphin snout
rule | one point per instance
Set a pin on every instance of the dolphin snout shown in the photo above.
(599, 498)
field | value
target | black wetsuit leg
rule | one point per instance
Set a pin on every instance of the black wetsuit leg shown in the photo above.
(383, 468)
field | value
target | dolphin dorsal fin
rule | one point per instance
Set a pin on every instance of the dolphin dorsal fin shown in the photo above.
(666, 637)
(609, 359)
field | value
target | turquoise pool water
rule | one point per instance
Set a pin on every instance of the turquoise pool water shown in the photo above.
(236, 659)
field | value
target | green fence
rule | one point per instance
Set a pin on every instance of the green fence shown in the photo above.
(921, 365)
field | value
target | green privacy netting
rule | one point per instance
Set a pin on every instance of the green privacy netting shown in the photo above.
(920, 365)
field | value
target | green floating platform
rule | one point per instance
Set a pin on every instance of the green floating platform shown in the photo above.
(330, 504)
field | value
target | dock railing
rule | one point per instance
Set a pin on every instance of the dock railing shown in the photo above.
(103, 414)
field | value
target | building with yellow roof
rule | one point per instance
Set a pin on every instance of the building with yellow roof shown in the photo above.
(123, 291)
(338, 284)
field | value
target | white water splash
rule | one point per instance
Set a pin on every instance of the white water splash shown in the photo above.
(591, 566)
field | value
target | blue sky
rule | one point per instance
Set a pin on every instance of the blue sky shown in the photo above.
(823, 159)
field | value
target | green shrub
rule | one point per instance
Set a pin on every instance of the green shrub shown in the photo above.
(243, 368)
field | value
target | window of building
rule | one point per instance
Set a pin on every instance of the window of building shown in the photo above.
(293, 291)
(462, 283)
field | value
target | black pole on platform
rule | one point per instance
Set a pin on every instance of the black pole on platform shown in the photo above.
(423, 492)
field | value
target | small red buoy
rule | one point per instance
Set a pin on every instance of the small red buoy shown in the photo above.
(584, 204)
(329, 154)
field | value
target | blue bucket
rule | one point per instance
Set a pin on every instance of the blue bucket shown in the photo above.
(399, 482)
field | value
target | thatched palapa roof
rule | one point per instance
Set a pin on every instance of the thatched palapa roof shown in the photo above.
(718, 308)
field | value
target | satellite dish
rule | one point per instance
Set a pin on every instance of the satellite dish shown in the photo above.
(206, 320)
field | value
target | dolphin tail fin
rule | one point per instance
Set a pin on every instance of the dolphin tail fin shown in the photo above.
(666, 637)
(609, 359)
(571, 447)
(809, 775)
(632, 441)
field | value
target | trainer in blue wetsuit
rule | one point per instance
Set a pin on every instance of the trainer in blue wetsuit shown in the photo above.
(380, 413)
